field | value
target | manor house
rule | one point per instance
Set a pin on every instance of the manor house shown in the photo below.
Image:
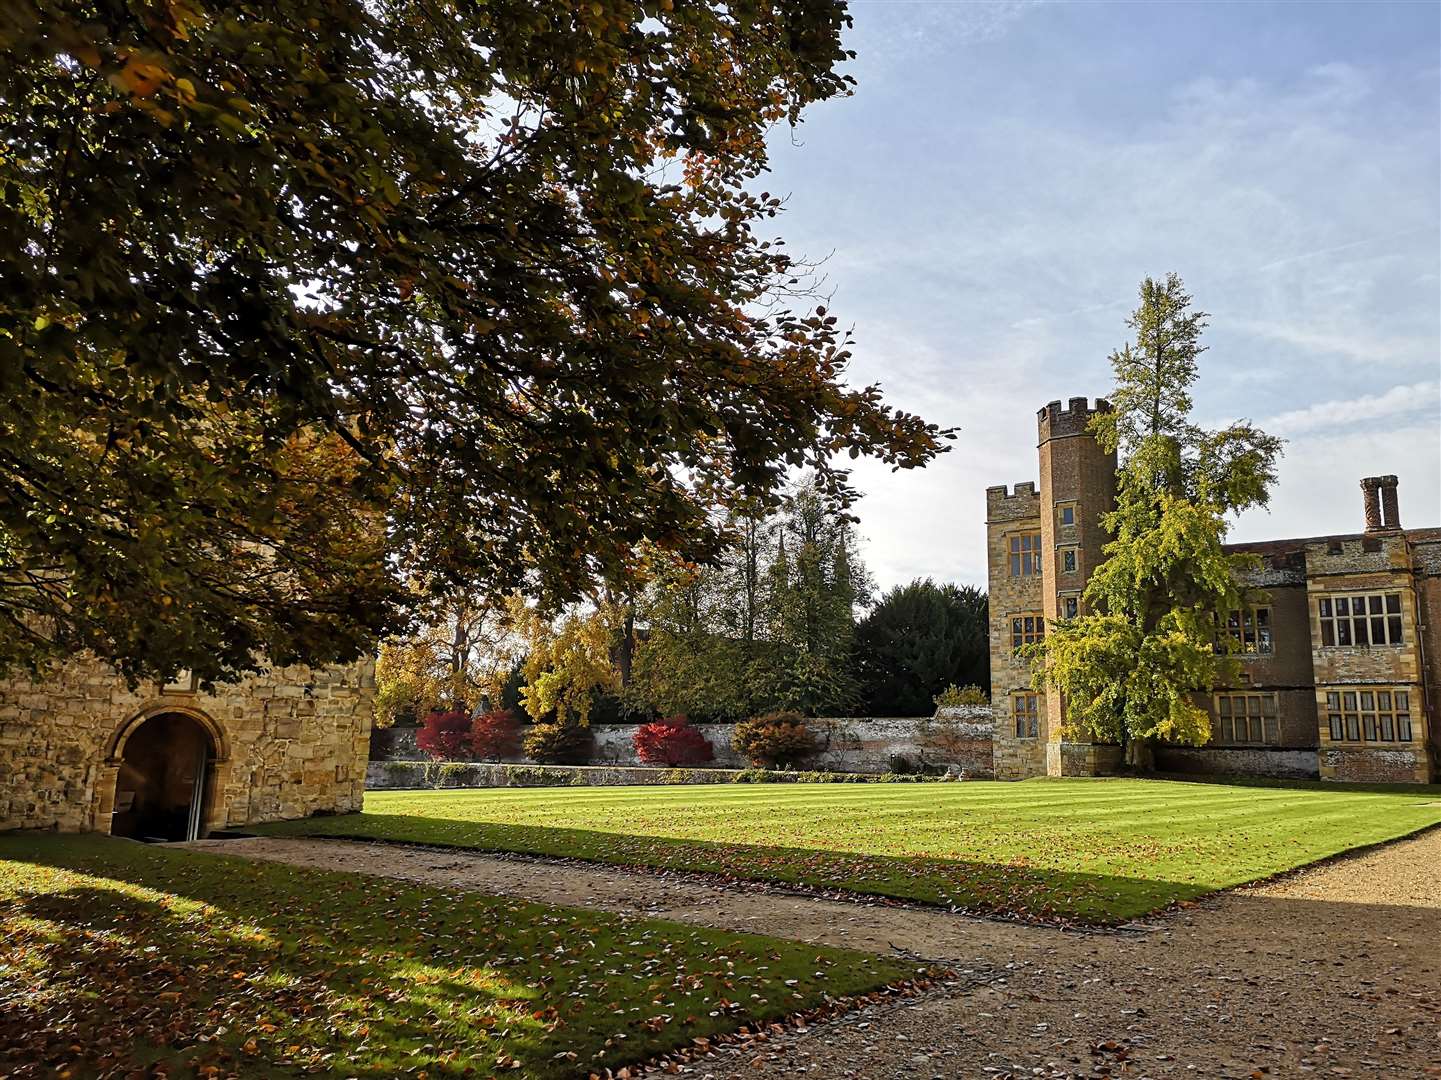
(1341, 663)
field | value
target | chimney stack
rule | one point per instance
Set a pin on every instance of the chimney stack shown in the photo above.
(1379, 499)
(1390, 509)
(1371, 502)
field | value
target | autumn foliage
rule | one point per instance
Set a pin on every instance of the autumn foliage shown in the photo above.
(560, 743)
(779, 738)
(445, 736)
(495, 735)
(671, 741)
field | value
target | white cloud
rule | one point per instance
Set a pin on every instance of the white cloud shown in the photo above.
(1417, 398)
(989, 233)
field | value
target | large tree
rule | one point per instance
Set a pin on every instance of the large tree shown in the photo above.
(917, 640)
(767, 626)
(499, 261)
(1130, 665)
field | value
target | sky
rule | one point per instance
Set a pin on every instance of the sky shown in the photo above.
(1006, 173)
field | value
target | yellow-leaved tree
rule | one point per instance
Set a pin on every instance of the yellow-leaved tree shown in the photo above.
(1147, 641)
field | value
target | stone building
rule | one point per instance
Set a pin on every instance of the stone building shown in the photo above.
(83, 752)
(1341, 663)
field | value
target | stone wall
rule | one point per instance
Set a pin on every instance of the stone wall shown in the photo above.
(429, 775)
(286, 743)
(1374, 766)
(1009, 513)
(852, 743)
(1275, 763)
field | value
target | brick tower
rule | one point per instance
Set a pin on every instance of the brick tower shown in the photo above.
(1078, 485)
(1042, 545)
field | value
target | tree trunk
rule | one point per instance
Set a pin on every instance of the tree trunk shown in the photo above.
(1140, 755)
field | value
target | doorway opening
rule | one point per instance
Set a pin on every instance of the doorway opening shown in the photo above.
(160, 787)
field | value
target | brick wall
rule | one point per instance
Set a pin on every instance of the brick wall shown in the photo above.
(285, 743)
(1076, 474)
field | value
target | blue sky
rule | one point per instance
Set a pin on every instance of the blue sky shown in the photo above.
(1005, 175)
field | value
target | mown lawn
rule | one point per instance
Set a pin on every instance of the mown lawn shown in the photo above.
(1090, 850)
(118, 959)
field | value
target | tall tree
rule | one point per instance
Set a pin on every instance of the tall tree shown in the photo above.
(816, 587)
(768, 626)
(1130, 664)
(917, 640)
(506, 254)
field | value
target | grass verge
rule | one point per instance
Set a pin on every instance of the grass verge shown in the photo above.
(121, 959)
(1098, 851)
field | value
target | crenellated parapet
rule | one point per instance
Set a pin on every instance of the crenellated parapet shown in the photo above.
(1004, 505)
(1054, 422)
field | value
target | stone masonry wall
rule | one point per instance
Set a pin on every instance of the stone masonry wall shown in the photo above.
(1008, 513)
(1370, 564)
(852, 743)
(286, 743)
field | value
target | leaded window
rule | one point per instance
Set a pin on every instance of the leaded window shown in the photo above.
(1026, 710)
(1027, 629)
(1369, 715)
(1025, 554)
(1247, 718)
(1250, 631)
(1369, 619)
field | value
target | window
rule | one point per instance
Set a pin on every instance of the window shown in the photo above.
(1247, 718)
(1068, 515)
(1070, 606)
(1068, 560)
(1024, 708)
(1025, 554)
(1373, 619)
(1369, 715)
(1026, 629)
(1250, 631)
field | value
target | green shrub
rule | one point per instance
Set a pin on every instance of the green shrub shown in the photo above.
(954, 696)
(558, 744)
(780, 738)
(530, 776)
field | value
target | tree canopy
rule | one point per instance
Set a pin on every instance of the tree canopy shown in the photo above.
(296, 293)
(768, 626)
(1151, 636)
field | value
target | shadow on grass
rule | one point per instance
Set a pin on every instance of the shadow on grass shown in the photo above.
(971, 886)
(127, 957)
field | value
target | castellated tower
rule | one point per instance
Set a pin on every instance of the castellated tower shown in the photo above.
(1078, 485)
(1042, 547)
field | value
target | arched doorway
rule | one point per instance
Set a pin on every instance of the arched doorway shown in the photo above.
(161, 782)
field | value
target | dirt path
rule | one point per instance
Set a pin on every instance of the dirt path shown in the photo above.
(1333, 972)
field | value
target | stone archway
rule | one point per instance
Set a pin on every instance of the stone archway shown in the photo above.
(163, 764)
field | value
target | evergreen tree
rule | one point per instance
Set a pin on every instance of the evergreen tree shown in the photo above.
(1130, 663)
(917, 640)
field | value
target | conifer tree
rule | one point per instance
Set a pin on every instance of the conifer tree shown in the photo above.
(1147, 640)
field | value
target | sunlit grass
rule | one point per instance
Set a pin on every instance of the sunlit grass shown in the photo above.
(1098, 850)
(116, 956)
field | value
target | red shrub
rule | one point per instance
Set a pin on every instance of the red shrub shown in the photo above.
(445, 736)
(495, 735)
(671, 741)
(780, 738)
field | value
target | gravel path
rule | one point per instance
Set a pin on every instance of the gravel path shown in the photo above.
(1334, 971)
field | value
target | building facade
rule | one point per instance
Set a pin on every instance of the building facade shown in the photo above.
(1340, 663)
(82, 751)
